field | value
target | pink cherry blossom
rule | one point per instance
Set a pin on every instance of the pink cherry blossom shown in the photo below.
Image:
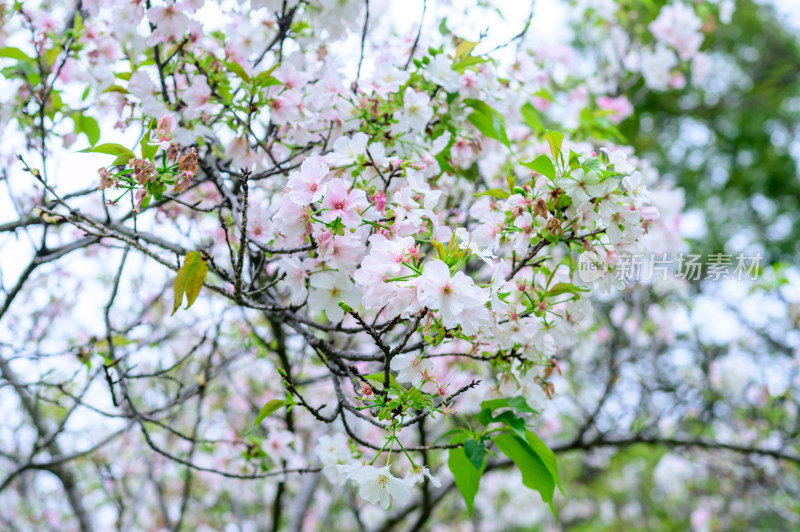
(339, 202)
(456, 297)
(306, 186)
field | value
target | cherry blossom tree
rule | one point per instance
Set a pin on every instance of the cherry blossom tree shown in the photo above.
(331, 273)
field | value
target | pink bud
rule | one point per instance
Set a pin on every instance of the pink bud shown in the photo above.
(366, 390)
(324, 242)
(379, 201)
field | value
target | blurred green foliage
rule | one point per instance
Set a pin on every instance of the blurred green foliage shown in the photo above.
(731, 145)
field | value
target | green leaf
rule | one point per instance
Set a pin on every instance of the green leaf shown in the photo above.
(143, 205)
(77, 25)
(52, 54)
(55, 101)
(489, 125)
(493, 192)
(115, 88)
(464, 47)
(543, 165)
(121, 160)
(123, 154)
(459, 435)
(546, 455)
(563, 288)
(574, 160)
(12, 52)
(484, 417)
(225, 92)
(516, 424)
(270, 408)
(535, 474)
(264, 79)
(593, 164)
(511, 179)
(90, 128)
(237, 69)
(513, 422)
(417, 398)
(517, 403)
(468, 61)
(148, 150)
(378, 377)
(545, 95)
(189, 280)
(554, 139)
(488, 121)
(475, 452)
(466, 476)
(532, 118)
(440, 252)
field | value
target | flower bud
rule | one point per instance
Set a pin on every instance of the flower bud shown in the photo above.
(379, 201)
